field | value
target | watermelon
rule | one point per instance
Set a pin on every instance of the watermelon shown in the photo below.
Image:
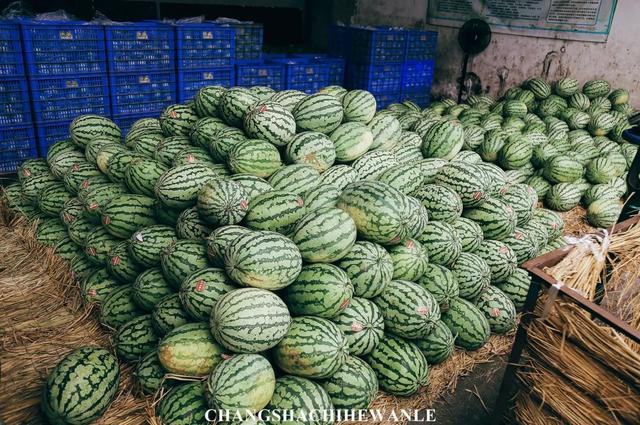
(121, 264)
(619, 96)
(407, 178)
(603, 212)
(219, 239)
(249, 320)
(223, 141)
(469, 234)
(149, 374)
(515, 153)
(149, 288)
(363, 325)
(359, 105)
(52, 199)
(95, 198)
(566, 87)
(179, 186)
(312, 347)
(351, 140)
(252, 185)
(468, 323)
(442, 203)
(135, 338)
(372, 164)
(193, 155)
(409, 260)
(81, 267)
(409, 310)
(438, 345)
(516, 287)
(334, 90)
(496, 218)
(190, 350)
(177, 120)
(339, 175)
(222, 202)
(182, 258)
(302, 396)
(295, 178)
(270, 121)
(311, 148)
(321, 290)
(522, 198)
(190, 225)
(493, 142)
(500, 257)
(98, 244)
(324, 235)
(498, 309)
(168, 315)
(140, 127)
(84, 128)
(184, 405)
(147, 243)
(441, 243)
(288, 98)
(472, 274)
(118, 308)
(596, 88)
(204, 130)
(90, 375)
(441, 284)
(539, 184)
(599, 191)
(242, 384)
(563, 196)
(97, 285)
(369, 268)
(318, 112)
(50, 231)
(125, 213)
(253, 156)
(466, 180)
(321, 196)
(201, 290)
(386, 131)
(443, 140)
(353, 386)
(524, 244)
(399, 365)
(601, 170)
(141, 175)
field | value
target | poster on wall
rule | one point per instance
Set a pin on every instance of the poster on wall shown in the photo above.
(585, 20)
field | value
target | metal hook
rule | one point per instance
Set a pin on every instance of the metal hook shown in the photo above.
(546, 65)
(503, 74)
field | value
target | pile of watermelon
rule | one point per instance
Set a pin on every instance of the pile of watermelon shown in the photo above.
(300, 251)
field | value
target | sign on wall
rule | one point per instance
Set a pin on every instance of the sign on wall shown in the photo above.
(586, 20)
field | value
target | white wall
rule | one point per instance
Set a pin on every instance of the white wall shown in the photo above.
(618, 60)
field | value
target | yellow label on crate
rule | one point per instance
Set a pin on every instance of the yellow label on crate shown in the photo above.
(207, 75)
(144, 79)
(72, 84)
(263, 73)
(309, 70)
(207, 35)
(142, 35)
(66, 35)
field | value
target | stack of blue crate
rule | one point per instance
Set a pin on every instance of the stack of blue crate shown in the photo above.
(67, 69)
(17, 136)
(419, 65)
(142, 77)
(205, 55)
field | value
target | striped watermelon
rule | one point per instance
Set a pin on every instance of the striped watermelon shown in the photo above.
(184, 405)
(524, 244)
(89, 375)
(407, 178)
(140, 127)
(334, 90)
(182, 258)
(192, 155)
(498, 309)
(295, 394)
(125, 213)
(599, 191)
(276, 211)
(563, 196)
(579, 101)
(369, 268)
(252, 185)
(50, 231)
(407, 153)
(353, 386)
(219, 239)
(235, 103)
(515, 153)
(80, 267)
(222, 141)
(135, 338)
(321, 196)
(399, 365)
(59, 164)
(87, 127)
(516, 287)
(596, 88)
(311, 148)
(147, 244)
(359, 106)
(168, 315)
(324, 235)
(500, 257)
(52, 199)
(118, 308)
(149, 288)
(121, 264)
(222, 202)
(601, 170)
(150, 375)
(522, 198)
(207, 101)
(539, 87)
(141, 175)
(467, 322)
(146, 145)
(377, 209)
(263, 92)
(177, 120)
(288, 98)
(566, 87)
(169, 147)
(96, 286)
(95, 197)
(409, 260)
(190, 350)
(256, 157)
(467, 180)
(496, 218)
(474, 136)
(249, 320)
(469, 234)
(441, 284)
(262, 259)
(438, 345)
(539, 184)
(318, 112)
(443, 140)
(200, 291)
(179, 186)
(204, 130)
(351, 140)
(270, 121)
(372, 164)
(430, 167)
(300, 352)
(409, 310)
(472, 274)
(295, 178)
(386, 131)
(98, 244)
(604, 213)
(190, 225)
(442, 203)
(363, 325)
(322, 290)
(74, 179)
(562, 169)
(242, 384)
(441, 243)
(339, 175)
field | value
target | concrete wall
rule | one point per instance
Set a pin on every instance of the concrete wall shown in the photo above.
(618, 60)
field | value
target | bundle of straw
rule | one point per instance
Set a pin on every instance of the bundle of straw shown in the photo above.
(531, 412)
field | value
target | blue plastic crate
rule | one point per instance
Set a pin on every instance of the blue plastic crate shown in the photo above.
(249, 39)
(51, 132)
(336, 67)
(189, 82)
(204, 45)
(270, 75)
(420, 97)
(417, 74)
(142, 92)
(66, 97)
(339, 41)
(63, 48)
(14, 101)
(421, 45)
(305, 75)
(17, 143)
(126, 121)
(384, 99)
(11, 63)
(385, 77)
(375, 45)
(143, 46)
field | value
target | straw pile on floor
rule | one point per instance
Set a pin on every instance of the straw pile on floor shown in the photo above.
(578, 370)
(42, 318)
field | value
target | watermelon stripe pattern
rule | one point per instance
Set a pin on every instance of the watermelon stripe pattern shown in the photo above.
(324, 235)
(363, 325)
(190, 350)
(318, 112)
